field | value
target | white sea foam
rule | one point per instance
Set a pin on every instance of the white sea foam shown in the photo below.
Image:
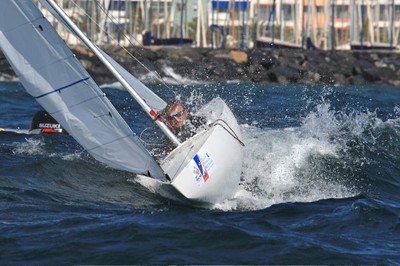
(171, 77)
(112, 85)
(277, 169)
(174, 78)
(30, 147)
(6, 77)
(34, 146)
(72, 156)
(280, 164)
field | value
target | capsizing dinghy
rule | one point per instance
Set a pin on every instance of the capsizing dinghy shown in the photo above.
(205, 168)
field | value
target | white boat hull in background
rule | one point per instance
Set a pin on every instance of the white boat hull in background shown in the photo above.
(207, 167)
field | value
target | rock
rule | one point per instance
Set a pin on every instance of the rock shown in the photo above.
(257, 73)
(254, 65)
(83, 51)
(286, 74)
(239, 57)
(394, 83)
(263, 57)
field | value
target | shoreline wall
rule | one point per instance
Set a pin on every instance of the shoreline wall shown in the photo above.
(276, 66)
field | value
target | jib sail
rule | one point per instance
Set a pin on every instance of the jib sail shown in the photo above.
(55, 78)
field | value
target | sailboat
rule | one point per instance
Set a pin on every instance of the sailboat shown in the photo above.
(205, 169)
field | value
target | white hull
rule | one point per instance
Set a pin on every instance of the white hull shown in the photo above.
(207, 167)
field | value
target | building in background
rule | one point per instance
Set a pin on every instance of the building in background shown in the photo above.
(298, 24)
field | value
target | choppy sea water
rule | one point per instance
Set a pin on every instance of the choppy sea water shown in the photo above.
(320, 185)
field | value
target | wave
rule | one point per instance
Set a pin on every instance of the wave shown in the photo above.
(8, 78)
(331, 151)
(332, 154)
(57, 167)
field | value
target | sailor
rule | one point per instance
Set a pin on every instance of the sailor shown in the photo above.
(174, 115)
(179, 121)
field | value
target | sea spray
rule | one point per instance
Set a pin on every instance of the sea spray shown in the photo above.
(295, 164)
(32, 146)
(325, 157)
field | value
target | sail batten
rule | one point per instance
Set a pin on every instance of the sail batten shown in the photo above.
(54, 77)
(62, 88)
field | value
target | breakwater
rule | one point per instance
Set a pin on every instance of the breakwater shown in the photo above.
(280, 66)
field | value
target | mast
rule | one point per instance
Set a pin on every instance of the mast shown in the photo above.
(371, 22)
(181, 26)
(233, 23)
(281, 20)
(352, 20)
(314, 21)
(203, 26)
(362, 25)
(243, 24)
(151, 113)
(391, 25)
(212, 24)
(295, 8)
(258, 17)
(158, 20)
(332, 25)
(200, 30)
(303, 30)
(273, 22)
(103, 20)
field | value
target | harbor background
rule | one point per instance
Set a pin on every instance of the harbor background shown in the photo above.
(306, 24)
(338, 42)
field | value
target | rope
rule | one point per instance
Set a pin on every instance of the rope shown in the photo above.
(230, 131)
(148, 143)
(114, 20)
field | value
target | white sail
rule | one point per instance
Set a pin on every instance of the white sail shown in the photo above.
(54, 77)
(152, 99)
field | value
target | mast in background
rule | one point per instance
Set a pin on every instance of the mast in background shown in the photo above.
(233, 37)
(151, 113)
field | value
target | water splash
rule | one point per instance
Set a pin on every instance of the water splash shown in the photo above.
(30, 147)
(39, 147)
(112, 85)
(174, 78)
(320, 159)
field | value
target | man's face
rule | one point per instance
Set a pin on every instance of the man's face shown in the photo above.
(176, 116)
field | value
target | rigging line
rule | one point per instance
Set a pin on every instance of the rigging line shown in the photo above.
(148, 143)
(230, 131)
(114, 20)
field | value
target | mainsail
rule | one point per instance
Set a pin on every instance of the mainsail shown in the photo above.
(120, 76)
(55, 78)
(152, 99)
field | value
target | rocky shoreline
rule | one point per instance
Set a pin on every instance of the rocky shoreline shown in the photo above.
(279, 66)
